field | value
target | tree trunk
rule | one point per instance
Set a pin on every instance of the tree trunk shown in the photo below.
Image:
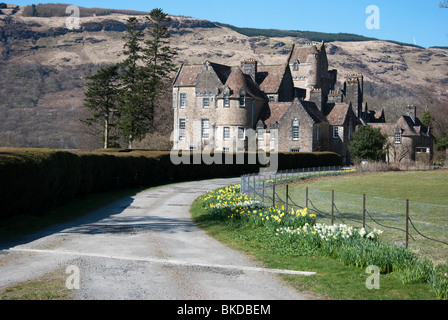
(130, 142)
(106, 133)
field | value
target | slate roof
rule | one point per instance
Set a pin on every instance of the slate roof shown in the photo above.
(338, 114)
(277, 110)
(237, 80)
(232, 77)
(222, 71)
(411, 128)
(270, 78)
(312, 110)
(407, 126)
(187, 74)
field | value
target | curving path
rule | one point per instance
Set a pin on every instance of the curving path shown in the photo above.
(144, 247)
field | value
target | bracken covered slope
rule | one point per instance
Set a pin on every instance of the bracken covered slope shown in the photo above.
(43, 67)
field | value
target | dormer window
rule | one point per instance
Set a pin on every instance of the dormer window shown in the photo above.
(206, 102)
(243, 100)
(296, 65)
(336, 132)
(295, 129)
(397, 136)
(226, 100)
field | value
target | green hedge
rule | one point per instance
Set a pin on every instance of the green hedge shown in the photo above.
(34, 181)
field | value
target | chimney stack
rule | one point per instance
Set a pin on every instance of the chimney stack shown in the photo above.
(249, 67)
(411, 112)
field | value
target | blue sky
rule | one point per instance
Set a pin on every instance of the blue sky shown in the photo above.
(410, 21)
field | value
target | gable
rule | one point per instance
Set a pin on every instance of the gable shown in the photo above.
(207, 80)
(305, 110)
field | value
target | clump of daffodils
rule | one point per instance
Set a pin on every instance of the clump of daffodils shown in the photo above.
(327, 233)
(229, 203)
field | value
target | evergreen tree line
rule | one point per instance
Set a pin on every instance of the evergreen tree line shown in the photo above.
(122, 97)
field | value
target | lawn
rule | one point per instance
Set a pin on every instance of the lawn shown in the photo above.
(417, 186)
(386, 195)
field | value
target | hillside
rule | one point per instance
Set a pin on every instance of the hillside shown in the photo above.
(43, 65)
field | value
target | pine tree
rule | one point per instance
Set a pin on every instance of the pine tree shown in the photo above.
(143, 72)
(131, 75)
(158, 59)
(102, 100)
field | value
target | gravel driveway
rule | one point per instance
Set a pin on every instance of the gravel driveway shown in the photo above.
(144, 247)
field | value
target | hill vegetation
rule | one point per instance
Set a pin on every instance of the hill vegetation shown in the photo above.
(309, 35)
(59, 10)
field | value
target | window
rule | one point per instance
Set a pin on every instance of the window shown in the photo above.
(296, 65)
(241, 133)
(225, 149)
(335, 132)
(226, 100)
(317, 133)
(422, 149)
(205, 102)
(349, 133)
(398, 137)
(295, 129)
(271, 98)
(294, 149)
(183, 100)
(226, 133)
(182, 127)
(243, 101)
(260, 133)
(205, 129)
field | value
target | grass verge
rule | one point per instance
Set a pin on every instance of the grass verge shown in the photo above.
(50, 286)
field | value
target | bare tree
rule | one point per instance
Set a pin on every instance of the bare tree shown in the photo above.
(443, 4)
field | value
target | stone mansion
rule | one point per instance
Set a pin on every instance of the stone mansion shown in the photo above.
(292, 107)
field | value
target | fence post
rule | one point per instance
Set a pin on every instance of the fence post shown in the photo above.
(287, 195)
(332, 207)
(273, 195)
(306, 198)
(407, 222)
(364, 211)
(255, 196)
(262, 199)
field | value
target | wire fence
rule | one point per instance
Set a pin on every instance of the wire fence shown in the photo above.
(422, 227)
